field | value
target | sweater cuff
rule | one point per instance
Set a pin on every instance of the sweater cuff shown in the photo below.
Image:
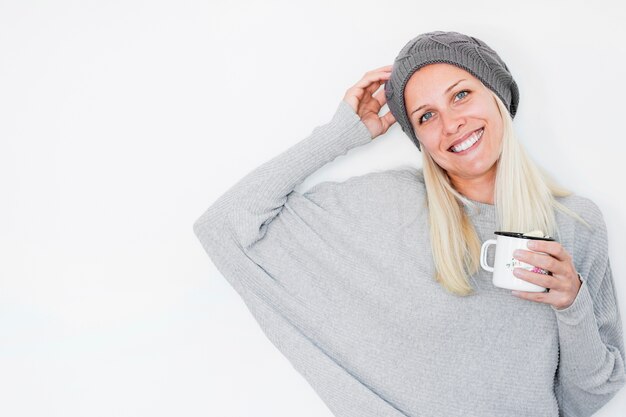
(346, 117)
(579, 309)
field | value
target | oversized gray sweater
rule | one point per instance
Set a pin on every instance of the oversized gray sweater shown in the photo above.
(341, 280)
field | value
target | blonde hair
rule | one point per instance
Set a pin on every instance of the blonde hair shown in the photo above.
(524, 200)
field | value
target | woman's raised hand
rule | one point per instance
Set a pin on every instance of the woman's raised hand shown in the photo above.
(366, 101)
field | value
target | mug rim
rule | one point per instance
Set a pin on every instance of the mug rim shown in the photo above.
(521, 236)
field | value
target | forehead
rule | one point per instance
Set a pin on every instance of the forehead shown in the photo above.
(432, 81)
(437, 73)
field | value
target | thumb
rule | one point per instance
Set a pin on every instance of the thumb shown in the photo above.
(387, 121)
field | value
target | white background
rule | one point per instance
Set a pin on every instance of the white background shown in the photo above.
(122, 121)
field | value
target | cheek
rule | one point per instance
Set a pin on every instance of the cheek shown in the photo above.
(440, 156)
(427, 135)
(431, 144)
(497, 130)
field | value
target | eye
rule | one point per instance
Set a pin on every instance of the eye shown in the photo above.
(464, 91)
(422, 120)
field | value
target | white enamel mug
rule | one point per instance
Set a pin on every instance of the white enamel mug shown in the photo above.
(504, 263)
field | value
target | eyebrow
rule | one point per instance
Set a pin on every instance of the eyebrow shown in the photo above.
(446, 92)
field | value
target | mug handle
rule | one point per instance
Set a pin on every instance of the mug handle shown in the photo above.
(483, 255)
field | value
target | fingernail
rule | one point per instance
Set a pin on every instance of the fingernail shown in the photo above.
(531, 244)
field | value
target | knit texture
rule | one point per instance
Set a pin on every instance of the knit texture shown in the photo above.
(466, 52)
(341, 280)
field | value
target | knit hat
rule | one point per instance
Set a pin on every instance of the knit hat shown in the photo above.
(466, 52)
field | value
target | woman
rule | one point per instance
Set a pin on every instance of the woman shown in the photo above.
(364, 285)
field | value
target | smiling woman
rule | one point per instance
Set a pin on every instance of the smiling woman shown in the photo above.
(446, 90)
(364, 285)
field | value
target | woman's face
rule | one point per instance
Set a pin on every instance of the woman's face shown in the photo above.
(446, 105)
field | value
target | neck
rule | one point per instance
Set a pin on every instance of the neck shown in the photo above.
(479, 189)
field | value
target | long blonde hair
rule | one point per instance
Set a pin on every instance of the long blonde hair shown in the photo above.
(524, 201)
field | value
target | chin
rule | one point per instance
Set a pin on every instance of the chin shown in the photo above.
(475, 170)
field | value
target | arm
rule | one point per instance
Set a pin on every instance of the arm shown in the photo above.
(264, 238)
(240, 217)
(591, 362)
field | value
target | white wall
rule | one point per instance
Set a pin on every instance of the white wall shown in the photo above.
(121, 121)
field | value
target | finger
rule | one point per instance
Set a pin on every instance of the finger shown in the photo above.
(383, 68)
(380, 97)
(367, 85)
(546, 281)
(539, 297)
(539, 260)
(375, 86)
(554, 249)
(388, 120)
(364, 94)
(372, 77)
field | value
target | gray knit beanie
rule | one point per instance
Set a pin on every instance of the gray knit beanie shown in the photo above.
(466, 52)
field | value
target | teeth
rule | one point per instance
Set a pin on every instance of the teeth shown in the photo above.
(468, 142)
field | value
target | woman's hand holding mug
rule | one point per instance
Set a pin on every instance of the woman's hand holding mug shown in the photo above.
(546, 266)
(367, 102)
(564, 282)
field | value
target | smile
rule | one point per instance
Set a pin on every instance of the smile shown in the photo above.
(468, 144)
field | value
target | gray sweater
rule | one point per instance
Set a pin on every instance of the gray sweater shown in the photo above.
(341, 280)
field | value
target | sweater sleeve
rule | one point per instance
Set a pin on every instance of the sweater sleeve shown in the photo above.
(591, 342)
(240, 217)
(263, 237)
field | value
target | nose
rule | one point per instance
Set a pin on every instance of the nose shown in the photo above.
(452, 122)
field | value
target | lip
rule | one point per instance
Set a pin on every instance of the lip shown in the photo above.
(462, 138)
